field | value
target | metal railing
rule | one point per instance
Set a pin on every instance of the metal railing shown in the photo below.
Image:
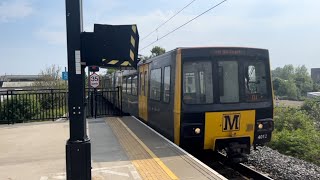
(18, 106)
(29, 105)
(103, 102)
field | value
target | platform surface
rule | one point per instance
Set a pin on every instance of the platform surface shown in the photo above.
(121, 148)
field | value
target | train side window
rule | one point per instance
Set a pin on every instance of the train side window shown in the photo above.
(141, 83)
(145, 83)
(134, 85)
(155, 84)
(129, 85)
(166, 84)
(124, 84)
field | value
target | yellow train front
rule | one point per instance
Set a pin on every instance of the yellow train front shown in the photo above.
(204, 98)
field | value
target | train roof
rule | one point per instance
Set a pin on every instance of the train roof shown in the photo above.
(194, 48)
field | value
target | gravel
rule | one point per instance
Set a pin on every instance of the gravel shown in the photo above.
(279, 166)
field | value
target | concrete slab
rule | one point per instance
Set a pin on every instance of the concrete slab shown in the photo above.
(104, 145)
(29, 151)
(109, 159)
(36, 151)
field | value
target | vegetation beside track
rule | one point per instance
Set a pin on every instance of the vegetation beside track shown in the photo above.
(297, 131)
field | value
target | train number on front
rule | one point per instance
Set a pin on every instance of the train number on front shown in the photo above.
(263, 136)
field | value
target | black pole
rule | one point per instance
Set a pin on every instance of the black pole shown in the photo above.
(95, 102)
(66, 84)
(78, 155)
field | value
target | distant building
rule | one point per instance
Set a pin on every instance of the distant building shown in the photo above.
(313, 94)
(315, 74)
(12, 82)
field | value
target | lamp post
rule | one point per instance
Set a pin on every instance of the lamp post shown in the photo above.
(78, 147)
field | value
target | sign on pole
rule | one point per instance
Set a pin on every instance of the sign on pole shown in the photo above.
(94, 68)
(94, 80)
(64, 76)
(111, 46)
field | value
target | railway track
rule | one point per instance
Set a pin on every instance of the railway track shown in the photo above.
(249, 173)
(231, 171)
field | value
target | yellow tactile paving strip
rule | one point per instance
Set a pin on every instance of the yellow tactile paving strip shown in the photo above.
(146, 162)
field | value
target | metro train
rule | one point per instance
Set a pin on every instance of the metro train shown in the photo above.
(204, 98)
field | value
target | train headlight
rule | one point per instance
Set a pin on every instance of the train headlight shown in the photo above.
(197, 130)
(260, 126)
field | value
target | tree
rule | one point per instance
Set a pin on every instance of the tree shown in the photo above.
(286, 88)
(276, 73)
(287, 72)
(50, 78)
(157, 50)
(292, 82)
(111, 70)
(303, 80)
(316, 87)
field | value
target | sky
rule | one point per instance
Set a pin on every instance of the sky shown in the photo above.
(33, 32)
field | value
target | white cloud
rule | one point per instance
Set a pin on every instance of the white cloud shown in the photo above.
(12, 10)
(53, 31)
(54, 37)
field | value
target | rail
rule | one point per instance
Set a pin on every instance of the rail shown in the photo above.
(244, 170)
(249, 172)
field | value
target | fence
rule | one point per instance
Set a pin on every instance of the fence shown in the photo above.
(29, 105)
(49, 104)
(103, 102)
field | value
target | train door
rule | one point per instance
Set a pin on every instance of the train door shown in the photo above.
(143, 91)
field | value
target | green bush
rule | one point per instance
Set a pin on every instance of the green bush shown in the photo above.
(51, 101)
(312, 106)
(298, 143)
(296, 135)
(292, 119)
(18, 109)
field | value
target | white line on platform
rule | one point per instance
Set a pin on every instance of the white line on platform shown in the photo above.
(60, 119)
(192, 157)
(115, 173)
(112, 167)
(132, 170)
(43, 178)
(135, 175)
(59, 177)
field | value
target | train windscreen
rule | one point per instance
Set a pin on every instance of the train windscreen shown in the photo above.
(197, 82)
(255, 81)
(237, 81)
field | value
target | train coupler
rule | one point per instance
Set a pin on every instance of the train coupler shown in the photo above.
(237, 153)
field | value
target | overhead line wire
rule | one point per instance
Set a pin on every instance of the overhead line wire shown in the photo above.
(184, 24)
(167, 20)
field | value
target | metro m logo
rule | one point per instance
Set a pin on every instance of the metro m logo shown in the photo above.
(231, 122)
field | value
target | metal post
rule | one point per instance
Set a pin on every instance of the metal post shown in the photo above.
(95, 102)
(7, 107)
(78, 147)
(52, 104)
(12, 106)
(66, 81)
